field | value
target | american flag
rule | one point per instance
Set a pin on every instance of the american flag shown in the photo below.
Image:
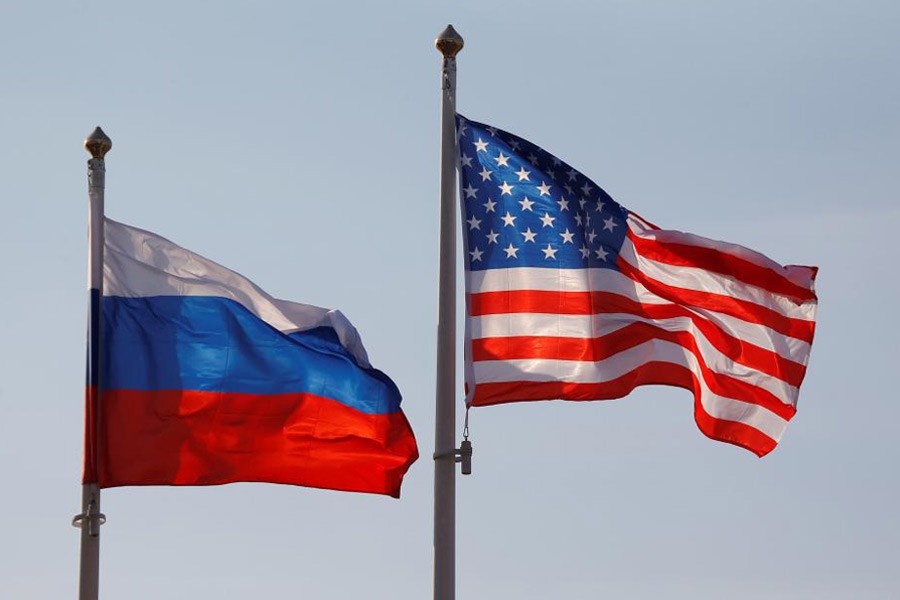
(571, 296)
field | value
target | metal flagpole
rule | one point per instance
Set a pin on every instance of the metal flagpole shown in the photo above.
(90, 519)
(448, 43)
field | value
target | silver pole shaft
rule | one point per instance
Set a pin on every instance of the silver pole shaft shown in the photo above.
(98, 144)
(449, 43)
(89, 576)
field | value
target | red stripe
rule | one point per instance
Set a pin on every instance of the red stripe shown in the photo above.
(596, 349)
(586, 303)
(89, 473)
(728, 305)
(544, 302)
(207, 438)
(732, 432)
(717, 261)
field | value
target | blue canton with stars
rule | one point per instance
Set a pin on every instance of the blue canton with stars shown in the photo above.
(524, 207)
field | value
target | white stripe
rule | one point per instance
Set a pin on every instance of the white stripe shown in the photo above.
(798, 275)
(515, 324)
(641, 220)
(622, 363)
(138, 263)
(559, 280)
(528, 324)
(701, 280)
(500, 326)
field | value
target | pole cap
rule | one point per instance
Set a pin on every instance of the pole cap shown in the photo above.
(98, 143)
(449, 42)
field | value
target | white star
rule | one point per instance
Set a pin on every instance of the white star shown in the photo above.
(563, 203)
(508, 220)
(567, 236)
(609, 224)
(481, 146)
(474, 223)
(532, 158)
(529, 235)
(601, 253)
(578, 219)
(485, 174)
(461, 130)
(526, 203)
(523, 174)
(556, 162)
(514, 144)
(549, 252)
(476, 254)
(585, 251)
(587, 219)
(492, 130)
(470, 191)
(465, 160)
(591, 236)
(505, 189)
(547, 220)
(582, 202)
(569, 189)
(599, 206)
(492, 237)
(586, 188)
(489, 205)
(511, 251)
(544, 189)
(502, 161)
(572, 173)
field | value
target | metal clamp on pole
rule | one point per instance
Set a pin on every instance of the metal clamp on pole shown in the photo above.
(93, 519)
(462, 455)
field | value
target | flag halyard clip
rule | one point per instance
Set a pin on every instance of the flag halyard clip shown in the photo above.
(93, 519)
(463, 454)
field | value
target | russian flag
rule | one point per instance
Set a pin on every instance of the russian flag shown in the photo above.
(206, 379)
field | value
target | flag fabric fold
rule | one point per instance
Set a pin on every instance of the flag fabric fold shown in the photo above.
(571, 296)
(206, 379)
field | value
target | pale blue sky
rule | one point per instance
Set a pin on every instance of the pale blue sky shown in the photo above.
(298, 144)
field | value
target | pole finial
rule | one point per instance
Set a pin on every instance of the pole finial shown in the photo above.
(449, 42)
(98, 143)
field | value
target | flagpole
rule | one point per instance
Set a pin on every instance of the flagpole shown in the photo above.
(448, 43)
(90, 519)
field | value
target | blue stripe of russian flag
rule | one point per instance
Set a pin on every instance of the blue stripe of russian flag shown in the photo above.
(214, 344)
